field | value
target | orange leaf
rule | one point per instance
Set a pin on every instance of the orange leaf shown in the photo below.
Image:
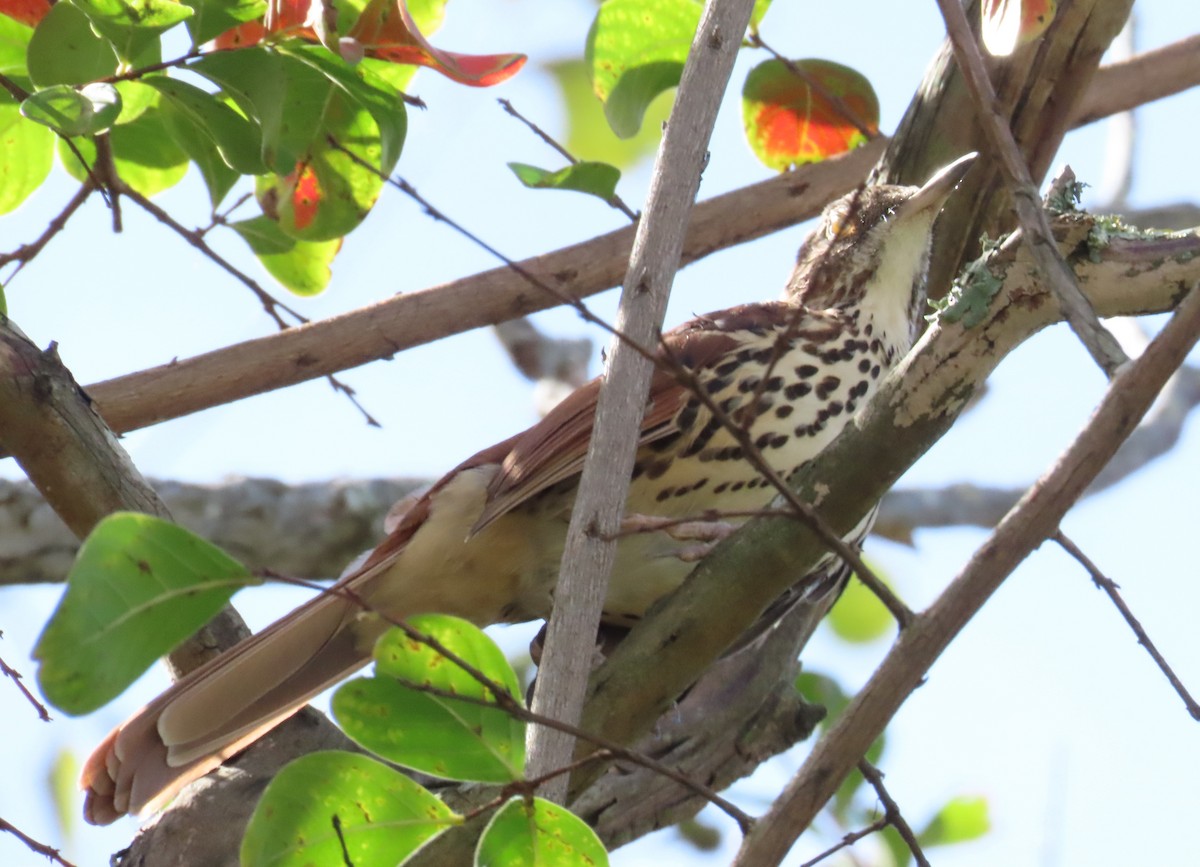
(387, 31)
(1009, 24)
(250, 33)
(28, 12)
(790, 118)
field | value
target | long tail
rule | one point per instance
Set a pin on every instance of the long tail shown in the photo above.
(223, 706)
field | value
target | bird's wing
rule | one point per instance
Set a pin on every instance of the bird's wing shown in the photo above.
(553, 450)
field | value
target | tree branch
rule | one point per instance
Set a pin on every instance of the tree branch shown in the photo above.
(589, 551)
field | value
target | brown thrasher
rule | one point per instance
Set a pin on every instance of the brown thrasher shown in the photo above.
(484, 543)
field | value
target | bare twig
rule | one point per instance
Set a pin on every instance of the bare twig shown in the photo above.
(849, 840)
(1110, 587)
(17, 678)
(891, 811)
(48, 852)
(26, 252)
(1078, 312)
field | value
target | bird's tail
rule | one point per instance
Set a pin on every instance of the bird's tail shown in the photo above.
(225, 705)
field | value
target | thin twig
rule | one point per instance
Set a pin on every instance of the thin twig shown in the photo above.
(19, 679)
(270, 303)
(891, 811)
(506, 702)
(1111, 588)
(849, 840)
(614, 200)
(26, 252)
(42, 849)
(143, 71)
(1079, 314)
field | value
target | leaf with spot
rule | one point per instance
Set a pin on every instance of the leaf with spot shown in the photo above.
(132, 26)
(409, 714)
(139, 586)
(381, 815)
(595, 179)
(1006, 25)
(541, 833)
(635, 51)
(806, 112)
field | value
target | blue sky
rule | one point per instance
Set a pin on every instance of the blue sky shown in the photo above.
(1045, 704)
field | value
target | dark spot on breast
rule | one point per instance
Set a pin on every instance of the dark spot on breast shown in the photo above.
(797, 389)
(748, 384)
(827, 386)
(702, 438)
(836, 407)
(860, 388)
(656, 469)
(868, 329)
(850, 406)
(700, 484)
(715, 385)
(638, 469)
(664, 494)
(686, 417)
(773, 384)
(875, 372)
(725, 368)
(779, 441)
(763, 356)
(864, 365)
(876, 345)
(806, 371)
(720, 489)
(763, 441)
(737, 486)
(784, 411)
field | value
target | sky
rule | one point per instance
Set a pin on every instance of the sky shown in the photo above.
(1045, 705)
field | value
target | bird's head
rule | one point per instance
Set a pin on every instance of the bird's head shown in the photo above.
(872, 245)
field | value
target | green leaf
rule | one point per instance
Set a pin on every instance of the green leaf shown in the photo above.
(14, 43)
(283, 96)
(139, 586)
(539, 833)
(211, 18)
(65, 50)
(595, 179)
(366, 89)
(303, 267)
(62, 784)
(961, 820)
(383, 816)
(92, 109)
(858, 616)
(635, 50)
(132, 26)
(429, 730)
(756, 16)
(238, 141)
(789, 118)
(144, 153)
(26, 155)
(195, 140)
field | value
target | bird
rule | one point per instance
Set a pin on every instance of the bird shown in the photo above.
(484, 543)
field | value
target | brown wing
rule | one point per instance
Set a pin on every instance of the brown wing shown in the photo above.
(553, 449)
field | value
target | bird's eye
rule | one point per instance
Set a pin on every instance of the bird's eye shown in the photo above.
(839, 221)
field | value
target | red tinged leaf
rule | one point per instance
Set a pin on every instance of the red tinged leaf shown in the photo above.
(1009, 24)
(792, 119)
(28, 12)
(387, 31)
